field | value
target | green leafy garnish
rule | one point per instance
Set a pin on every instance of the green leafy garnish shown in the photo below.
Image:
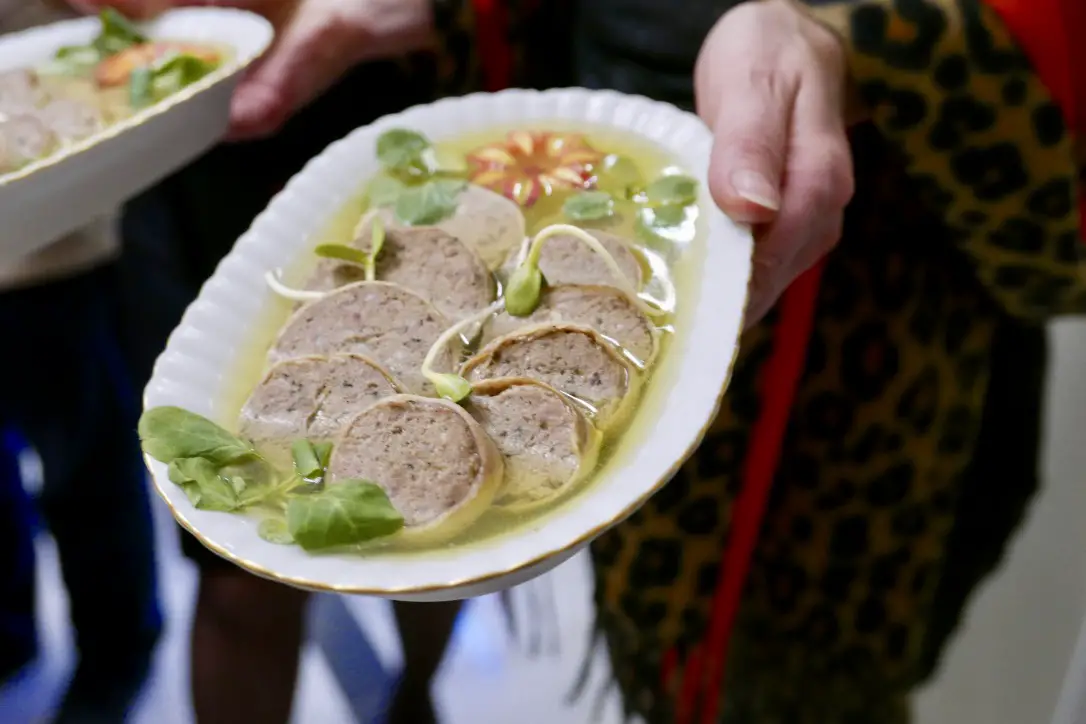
(673, 190)
(523, 290)
(429, 203)
(140, 88)
(342, 252)
(274, 530)
(203, 485)
(148, 85)
(178, 71)
(346, 513)
(589, 206)
(452, 387)
(171, 433)
(384, 190)
(306, 462)
(117, 34)
(377, 242)
(219, 471)
(324, 452)
(400, 149)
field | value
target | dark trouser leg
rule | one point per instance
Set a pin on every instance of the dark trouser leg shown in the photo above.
(66, 391)
(1000, 484)
(246, 643)
(18, 639)
(425, 630)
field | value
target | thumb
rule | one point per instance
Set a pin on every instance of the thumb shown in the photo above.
(750, 140)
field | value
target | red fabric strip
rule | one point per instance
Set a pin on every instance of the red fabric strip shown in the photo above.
(491, 28)
(669, 665)
(780, 380)
(691, 682)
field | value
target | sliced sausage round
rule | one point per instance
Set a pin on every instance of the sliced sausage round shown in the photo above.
(433, 460)
(312, 397)
(605, 309)
(392, 325)
(547, 442)
(19, 91)
(565, 259)
(486, 221)
(571, 358)
(70, 119)
(430, 262)
(24, 139)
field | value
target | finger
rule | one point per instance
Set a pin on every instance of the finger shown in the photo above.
(750, 139)
(817, 185)
(307, 58)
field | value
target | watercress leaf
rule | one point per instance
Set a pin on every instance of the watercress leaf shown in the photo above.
(178, 71)
(192, 492)
(522, 292)
(429, 203)
(254, 470)
(237, 483)
(171, 433)
(673, 190)
(384, 190)
(306, 462)
(117, 33)
(140, 90)
(215, 493)
(348, 512)
(398, 147)
(274, 530)
(342, 253)
(324, 452)
(589, 206)
(453, 388)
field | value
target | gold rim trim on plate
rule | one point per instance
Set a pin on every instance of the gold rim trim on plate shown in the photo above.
(392, 592)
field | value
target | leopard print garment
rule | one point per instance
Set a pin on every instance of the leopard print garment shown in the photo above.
(965, 218)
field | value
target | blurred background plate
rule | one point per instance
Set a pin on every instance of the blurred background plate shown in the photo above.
(51, 197)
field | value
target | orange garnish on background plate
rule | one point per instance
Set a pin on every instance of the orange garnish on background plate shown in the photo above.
(527, 165)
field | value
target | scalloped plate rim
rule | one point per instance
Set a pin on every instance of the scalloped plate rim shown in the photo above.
(497, 563)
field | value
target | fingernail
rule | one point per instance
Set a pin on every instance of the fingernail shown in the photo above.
(755, 188)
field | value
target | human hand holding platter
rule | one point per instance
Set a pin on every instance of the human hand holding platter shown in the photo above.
(771, 83)
(317, 41)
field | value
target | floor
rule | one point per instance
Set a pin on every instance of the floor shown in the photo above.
(352, 656)
(1007, 667)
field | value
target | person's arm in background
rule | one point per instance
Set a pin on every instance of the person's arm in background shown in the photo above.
(981, 132)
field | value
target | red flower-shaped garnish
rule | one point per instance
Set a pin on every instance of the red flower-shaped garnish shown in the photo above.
(527, 165)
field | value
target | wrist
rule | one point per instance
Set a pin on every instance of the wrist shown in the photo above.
(833, 18)
(392, 28)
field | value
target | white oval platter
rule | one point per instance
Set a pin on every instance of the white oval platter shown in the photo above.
(53, 196)
(203, 351)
